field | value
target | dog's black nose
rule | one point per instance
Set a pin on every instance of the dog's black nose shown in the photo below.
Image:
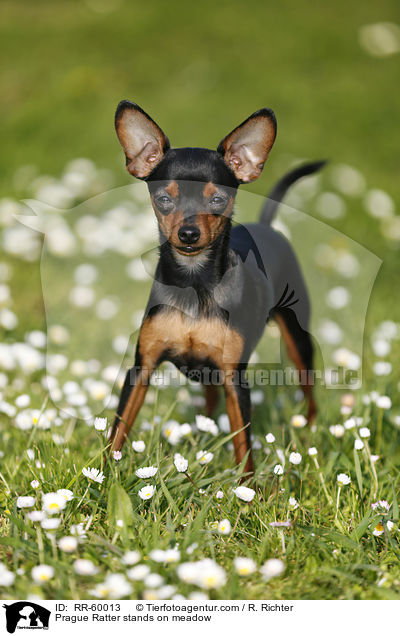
(189, 234)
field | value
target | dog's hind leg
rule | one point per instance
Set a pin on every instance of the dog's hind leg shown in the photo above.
(238, 409)
(300, 349)
(212, 397)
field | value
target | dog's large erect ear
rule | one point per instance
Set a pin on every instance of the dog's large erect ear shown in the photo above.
(144, 142)
(246, 148)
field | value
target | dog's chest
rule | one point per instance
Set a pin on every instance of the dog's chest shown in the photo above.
(173, 334)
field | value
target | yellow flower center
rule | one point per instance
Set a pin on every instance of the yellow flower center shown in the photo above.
(379, 527)
(54, 506)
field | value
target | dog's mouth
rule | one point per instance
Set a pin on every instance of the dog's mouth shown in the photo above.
(189, 250)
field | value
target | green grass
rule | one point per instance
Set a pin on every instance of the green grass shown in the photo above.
(328, 554)
(199, 70)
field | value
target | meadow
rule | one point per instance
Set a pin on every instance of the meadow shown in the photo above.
(168, 517)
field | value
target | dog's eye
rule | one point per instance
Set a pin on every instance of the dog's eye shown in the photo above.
(217, 201)
(164, 202)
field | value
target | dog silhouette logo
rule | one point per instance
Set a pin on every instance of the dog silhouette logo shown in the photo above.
(26, 615)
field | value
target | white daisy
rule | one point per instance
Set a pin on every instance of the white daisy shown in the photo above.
(146, 492)
(146, 472)
(244, 493)
(244, 566)
(94, 474)
(343, 480)
(42, 573)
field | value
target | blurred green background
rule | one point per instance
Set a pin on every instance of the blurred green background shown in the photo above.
(199, 69)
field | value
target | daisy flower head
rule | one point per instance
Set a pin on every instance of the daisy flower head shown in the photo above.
(206, 425)
(270, 438)
(171, 430)
(244, 493)
(348, 399)
(153, 580)
(358, 444)
(42, 573)
(219, 494)
(278, 469)
(204, 457)
(298, 421)
(100, 423)
(224, 526)
(343, 480)
(146, 472)
(7, 577)
(205, 574)
(130, 558)
(337, 430)
(117, 586)
(383, 402)
(244, 566)
(138, 446)
(379, 529)
(295, 458)
(293, 503)
(350, 423)
(50, 523)
(53, 503)
(26, 502)
(272, 568)
(191, 548)
(312, 451)
(117, 455)
(364, 432)
(85, 567)
(94, 474)
(181, 464)
(381, 504)
(172, 555)
(146, 492)
(68, 544)
(138, 573)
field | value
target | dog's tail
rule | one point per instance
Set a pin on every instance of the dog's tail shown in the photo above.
(279, 190)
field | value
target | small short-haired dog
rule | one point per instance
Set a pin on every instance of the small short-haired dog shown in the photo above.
(215, 286)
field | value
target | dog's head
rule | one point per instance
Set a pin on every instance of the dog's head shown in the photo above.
(193, 189)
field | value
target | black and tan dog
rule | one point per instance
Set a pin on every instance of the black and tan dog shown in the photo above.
(215, 286)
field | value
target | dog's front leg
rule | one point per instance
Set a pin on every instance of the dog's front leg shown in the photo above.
(132, 396)
(237, 394)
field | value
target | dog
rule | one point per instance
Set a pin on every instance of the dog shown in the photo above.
(216, 286)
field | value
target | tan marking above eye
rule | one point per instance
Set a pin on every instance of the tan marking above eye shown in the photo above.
(209, 189)
(173, 189)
